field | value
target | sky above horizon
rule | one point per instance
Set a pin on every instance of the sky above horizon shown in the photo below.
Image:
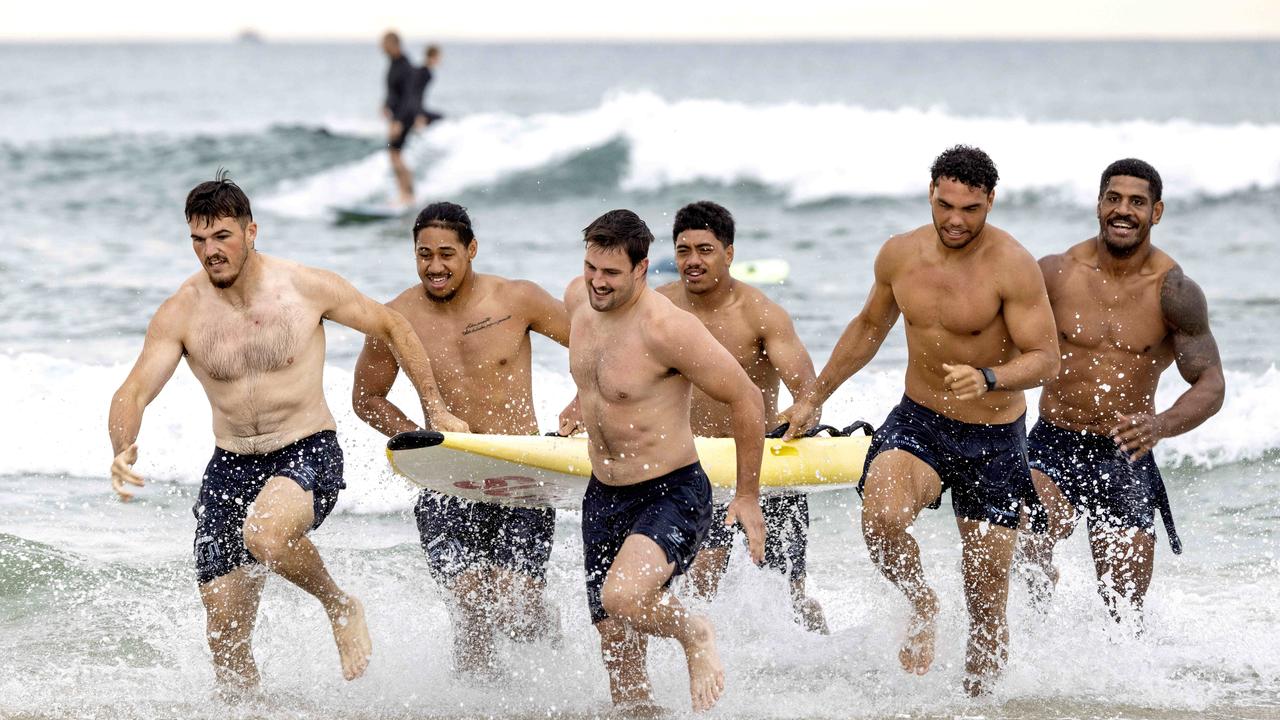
(648, 20)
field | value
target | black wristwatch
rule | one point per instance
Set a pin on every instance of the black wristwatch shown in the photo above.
(990, 376)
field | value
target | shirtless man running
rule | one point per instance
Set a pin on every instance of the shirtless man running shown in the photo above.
(635, 358)
(492, 558)
(1124, 311)
(251, 328)
(760, 336)
(979, 332)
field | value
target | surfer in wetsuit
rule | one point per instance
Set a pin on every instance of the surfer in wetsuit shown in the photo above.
(1124, 311)
(979, 332)
(492, 558)
(635, 359)
(761, 337)
(251, 327)
(415, 98)
(399, 113)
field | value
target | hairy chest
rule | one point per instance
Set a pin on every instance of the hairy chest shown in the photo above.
(232, 344)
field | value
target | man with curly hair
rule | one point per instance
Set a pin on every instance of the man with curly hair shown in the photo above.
(1125, 312)
(979, 332)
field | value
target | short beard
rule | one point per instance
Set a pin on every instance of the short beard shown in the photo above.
(441, 298)
(1121, 251)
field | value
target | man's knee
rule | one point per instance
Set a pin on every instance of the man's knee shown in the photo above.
(620, 599)
(266, 541)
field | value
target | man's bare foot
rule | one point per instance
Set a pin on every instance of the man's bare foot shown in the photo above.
(977, 685)
(706, 674)
(917, 652)
(352, 636)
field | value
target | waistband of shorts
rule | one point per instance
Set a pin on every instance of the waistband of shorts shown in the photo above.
(680, 474)
(940, 419)
(1089, 441)
(323, 434)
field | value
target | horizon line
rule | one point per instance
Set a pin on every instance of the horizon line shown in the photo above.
(250, 36)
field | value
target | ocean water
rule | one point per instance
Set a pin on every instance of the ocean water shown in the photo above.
(820, 150)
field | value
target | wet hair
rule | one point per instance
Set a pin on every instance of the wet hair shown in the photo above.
(433, 50)
(620, 229)
(966, 164)
(391, 35)
(705, 215)
(1133, 167)
(218, 198)
(446, 215)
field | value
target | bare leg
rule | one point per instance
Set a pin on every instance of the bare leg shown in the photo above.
(633, 593)
(986, 557)
(474, 594)
(1036, 549)
(807, 610)
(1124, 559)
(900, 485)
(522, 609)
(707, 570)
(275, 534)
(404, 178)
(624, 651)
(231, 609)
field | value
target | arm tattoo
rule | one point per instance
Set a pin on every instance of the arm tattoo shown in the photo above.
(1187, 314)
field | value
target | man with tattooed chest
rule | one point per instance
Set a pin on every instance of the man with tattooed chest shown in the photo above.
(492, 558)
(251, 329)
(1124, 312)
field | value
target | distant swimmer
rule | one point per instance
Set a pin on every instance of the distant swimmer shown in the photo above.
(251, 327)
(760, 336)
(1125, 311)
(635, 358)
(399, 111)
(979, 332)
(491, 558)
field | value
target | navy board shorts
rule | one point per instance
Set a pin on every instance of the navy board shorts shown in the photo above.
(673, 510)
(786, 526)
(458, 535)
(1099, 479)
(984, 466)
(231, 483)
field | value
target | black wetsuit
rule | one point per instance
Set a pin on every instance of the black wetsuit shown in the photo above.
(399, 76)
(416, 93)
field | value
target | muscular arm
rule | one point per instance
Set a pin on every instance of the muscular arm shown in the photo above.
(786, 353)
(376, 371)
(547, 316)
(1029, 318)
(682, 342)
(343, 304)
(1195, 352)
(859, 342)
(161, 351)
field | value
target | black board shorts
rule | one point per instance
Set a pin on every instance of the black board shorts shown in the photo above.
(397, 142)
(786, 526)
(459, 535)
(231, 483)
(1098, 478)
(984, 466)
(673, 510)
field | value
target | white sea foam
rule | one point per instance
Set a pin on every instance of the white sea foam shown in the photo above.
(810, 152)
(61, 429)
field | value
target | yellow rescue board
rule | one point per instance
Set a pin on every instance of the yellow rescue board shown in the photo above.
(540, 471)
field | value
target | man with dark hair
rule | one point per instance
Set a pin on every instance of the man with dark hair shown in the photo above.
(417, 89)
(979, 332)
(400, 111)
(760, 336)
(251, 327)
(635, 358)
(491, 558)
(1125, 311)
